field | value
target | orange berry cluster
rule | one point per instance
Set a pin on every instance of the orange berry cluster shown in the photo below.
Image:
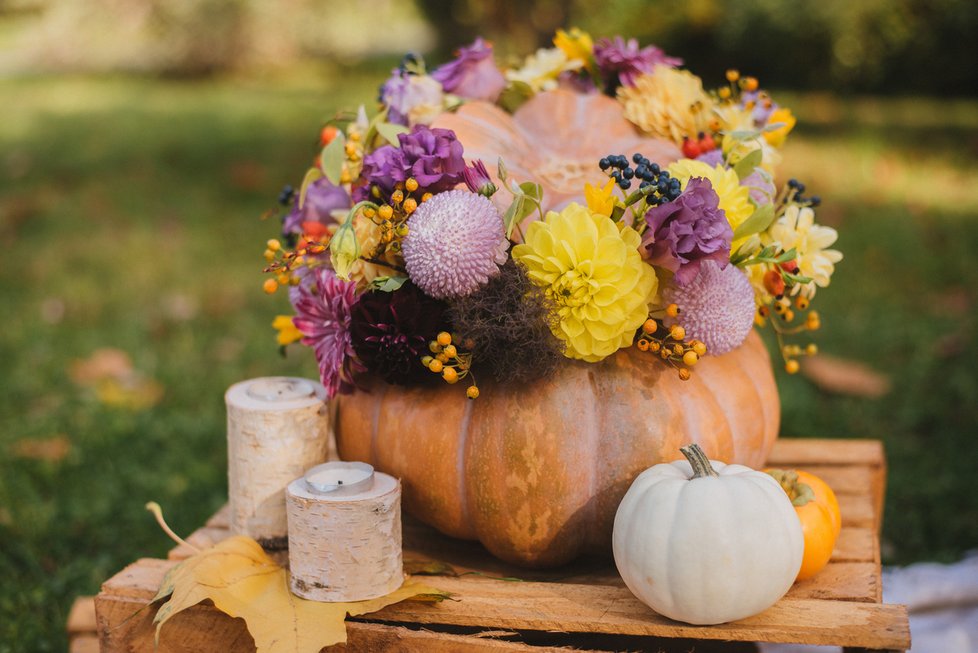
(781, 314)
(450, 363)
(670, 344)
(282, 262)
(392, 216)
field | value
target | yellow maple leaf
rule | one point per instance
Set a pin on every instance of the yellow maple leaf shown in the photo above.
(242, 581)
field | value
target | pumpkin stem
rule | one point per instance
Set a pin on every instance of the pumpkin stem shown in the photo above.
(697, 458)
(799, 493)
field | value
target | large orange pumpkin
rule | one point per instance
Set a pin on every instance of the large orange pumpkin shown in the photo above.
(536, 472)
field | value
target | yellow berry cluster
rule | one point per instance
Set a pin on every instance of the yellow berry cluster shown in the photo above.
(282, 262)
(670, 344)
(450, 363)
(354, 154)
(781, 315)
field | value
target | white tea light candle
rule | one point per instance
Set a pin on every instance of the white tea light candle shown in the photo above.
(344, 533)
(277, 428)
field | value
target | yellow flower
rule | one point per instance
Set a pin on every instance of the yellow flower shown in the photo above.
(593, 273)
(733, 119)
(287, 333)
(776, 137)
(540, 70)
(668, 102)
(734, 198)
(600, 200)
(576, 44)
(796, 229)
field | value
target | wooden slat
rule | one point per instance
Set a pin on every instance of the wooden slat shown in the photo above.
(792, 452)
(841, 581)
(84, 644)
(589, 609)
(856, 545)
(81, 618)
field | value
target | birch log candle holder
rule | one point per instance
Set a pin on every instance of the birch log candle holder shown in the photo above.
(278, 427)
(344, 533)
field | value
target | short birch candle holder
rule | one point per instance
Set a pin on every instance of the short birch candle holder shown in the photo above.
(344, 533)
(278, 427)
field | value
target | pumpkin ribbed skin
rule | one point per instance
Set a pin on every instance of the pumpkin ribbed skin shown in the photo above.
(536, 472)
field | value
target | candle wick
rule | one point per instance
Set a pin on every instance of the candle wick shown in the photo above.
(339, 482)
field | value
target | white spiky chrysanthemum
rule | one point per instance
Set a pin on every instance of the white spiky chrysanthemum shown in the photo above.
(455, 243)
(716, 307)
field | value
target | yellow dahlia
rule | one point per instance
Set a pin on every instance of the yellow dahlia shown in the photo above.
(668, 102)
(734, 198)
(540, 70)
(593, 273)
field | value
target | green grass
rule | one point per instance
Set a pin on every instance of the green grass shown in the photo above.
(133, 205)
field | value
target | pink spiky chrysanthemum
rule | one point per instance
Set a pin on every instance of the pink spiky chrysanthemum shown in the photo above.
(455, 243)
(323, 304)
(716, 307)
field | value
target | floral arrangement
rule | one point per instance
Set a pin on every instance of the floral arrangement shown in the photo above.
(493, 220)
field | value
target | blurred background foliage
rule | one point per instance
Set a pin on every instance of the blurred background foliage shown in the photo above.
(141, 141)
(876, 46)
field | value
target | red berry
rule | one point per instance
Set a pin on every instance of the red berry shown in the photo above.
(327, 134)
(707, 143)
(790, 267)
(691, 149)
(773, 282)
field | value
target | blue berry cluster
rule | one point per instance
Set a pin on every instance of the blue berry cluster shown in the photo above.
(799, 189)
(648, 174)
(285, 196)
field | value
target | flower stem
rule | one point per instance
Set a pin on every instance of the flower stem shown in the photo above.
(698, 460)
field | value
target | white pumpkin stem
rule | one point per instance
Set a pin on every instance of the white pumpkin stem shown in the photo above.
(697, 458)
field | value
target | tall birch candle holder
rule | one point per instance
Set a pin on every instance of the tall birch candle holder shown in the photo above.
(344, 533)
(278, 427)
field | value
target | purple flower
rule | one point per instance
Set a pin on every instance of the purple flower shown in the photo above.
(433, 157)
(477, 179)
(473, 74)
(620, 61)
(762, 105)
(715, 307)
(761, 186)
(687, 231)
(322, 198)
(713, 158)
(404, 91)
(323, 312)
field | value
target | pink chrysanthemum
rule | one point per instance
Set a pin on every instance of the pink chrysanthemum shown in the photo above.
(323, 304)
(716, 307)
(455, 243)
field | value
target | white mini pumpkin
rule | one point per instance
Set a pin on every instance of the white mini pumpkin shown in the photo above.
(705, 543)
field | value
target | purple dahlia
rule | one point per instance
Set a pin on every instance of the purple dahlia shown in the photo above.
(404, 91)
(323, 308)
(322, 198)
(472, 74)
(686, 232)
(391, 332)
(716, 307)
(433, 157)
(621, 61)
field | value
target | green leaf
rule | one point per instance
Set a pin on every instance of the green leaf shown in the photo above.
(787, 256)
(744, 135)
(532, 190)
(514, 213)
(797, 278)
(760, 220)
(390, 131)
(747, 164)
(312, 174)
(333, 157)
(515, 95)
(388, 284)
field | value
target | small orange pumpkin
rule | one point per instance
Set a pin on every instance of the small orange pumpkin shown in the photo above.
(536, 472)
(818, 511)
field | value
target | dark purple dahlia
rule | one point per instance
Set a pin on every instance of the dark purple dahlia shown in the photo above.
(685, 232)
(621, 61)
(391, 332)
(472, 74)
(433, 157)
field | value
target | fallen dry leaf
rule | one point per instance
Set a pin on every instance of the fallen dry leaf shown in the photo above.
(105, 363)
(845, 377)
(110, 372)
(242, 581)
(49, 449)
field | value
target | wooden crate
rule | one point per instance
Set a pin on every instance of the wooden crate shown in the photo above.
(583, 606)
